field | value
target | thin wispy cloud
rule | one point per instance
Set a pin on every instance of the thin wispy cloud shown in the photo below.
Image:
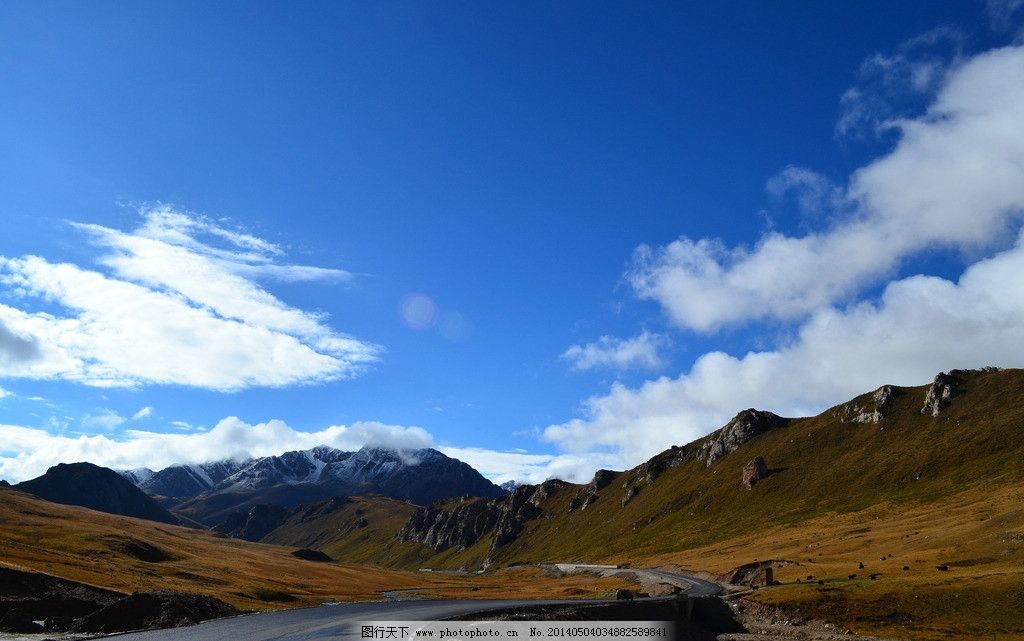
(144, 412)
(103, 419)
(172, 309)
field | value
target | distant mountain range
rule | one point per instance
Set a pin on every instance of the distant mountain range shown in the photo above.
(222, 494)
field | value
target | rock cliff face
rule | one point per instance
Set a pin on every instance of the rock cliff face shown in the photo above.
(743, 427)
(943, 389)
(465, 523)
(873, 411)
(452, 526)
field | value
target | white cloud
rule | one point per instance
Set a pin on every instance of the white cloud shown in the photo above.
(892, 84)
(177, 312)
(144, 412)
(531, 468)
(814, 192)
(27, 452)
(954, 180)
(5, 393)
(920, 326)
(103, 419)
(618, 353)
(15, 348)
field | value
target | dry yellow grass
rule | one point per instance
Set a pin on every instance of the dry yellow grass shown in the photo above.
(88, 546)
(978, 534)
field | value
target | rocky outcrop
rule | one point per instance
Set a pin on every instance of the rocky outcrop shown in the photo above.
(753, 472)
(941, 392)
(745, 426)
(602, 479)
(462, 524)
(659, 464)
(630, 494)
(873, 410)
(456, 526)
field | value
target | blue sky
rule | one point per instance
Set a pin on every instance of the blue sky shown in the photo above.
(552, 234)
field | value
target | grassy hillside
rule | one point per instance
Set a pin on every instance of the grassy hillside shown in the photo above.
(127, 554)
(927, 490)
(355, 530)
(820, 465)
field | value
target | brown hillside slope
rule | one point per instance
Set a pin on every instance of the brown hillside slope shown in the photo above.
(688, 497)
(355, 529)
(127, 554)
(936, 478)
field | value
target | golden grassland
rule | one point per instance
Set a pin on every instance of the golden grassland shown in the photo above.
(90, 547)
(978, 535)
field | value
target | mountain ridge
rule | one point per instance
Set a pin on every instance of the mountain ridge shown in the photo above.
(894, 443)
(229, 494)
(96, 488)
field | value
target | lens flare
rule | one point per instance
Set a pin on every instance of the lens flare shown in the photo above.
(418, 311)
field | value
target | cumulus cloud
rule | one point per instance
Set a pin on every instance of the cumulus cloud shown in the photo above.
(5, 393)
(954, 180)
(27, 452)
(921, 325)
(618, 353)
(174, 310)
(522, 467)
(15, 348)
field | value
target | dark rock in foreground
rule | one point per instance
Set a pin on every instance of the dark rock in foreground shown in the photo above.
(68, 606)
(154, 610)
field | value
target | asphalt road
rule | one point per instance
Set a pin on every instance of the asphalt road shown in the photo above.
(692, 586)
(324, 622)
(339, 621)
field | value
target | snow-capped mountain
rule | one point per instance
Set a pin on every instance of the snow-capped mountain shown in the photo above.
(138, 476)
(183, 481)
(210, 491)
(305, 466)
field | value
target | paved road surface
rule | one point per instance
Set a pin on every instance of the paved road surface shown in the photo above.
(335, 621)
(325, 622)
(692, 586)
